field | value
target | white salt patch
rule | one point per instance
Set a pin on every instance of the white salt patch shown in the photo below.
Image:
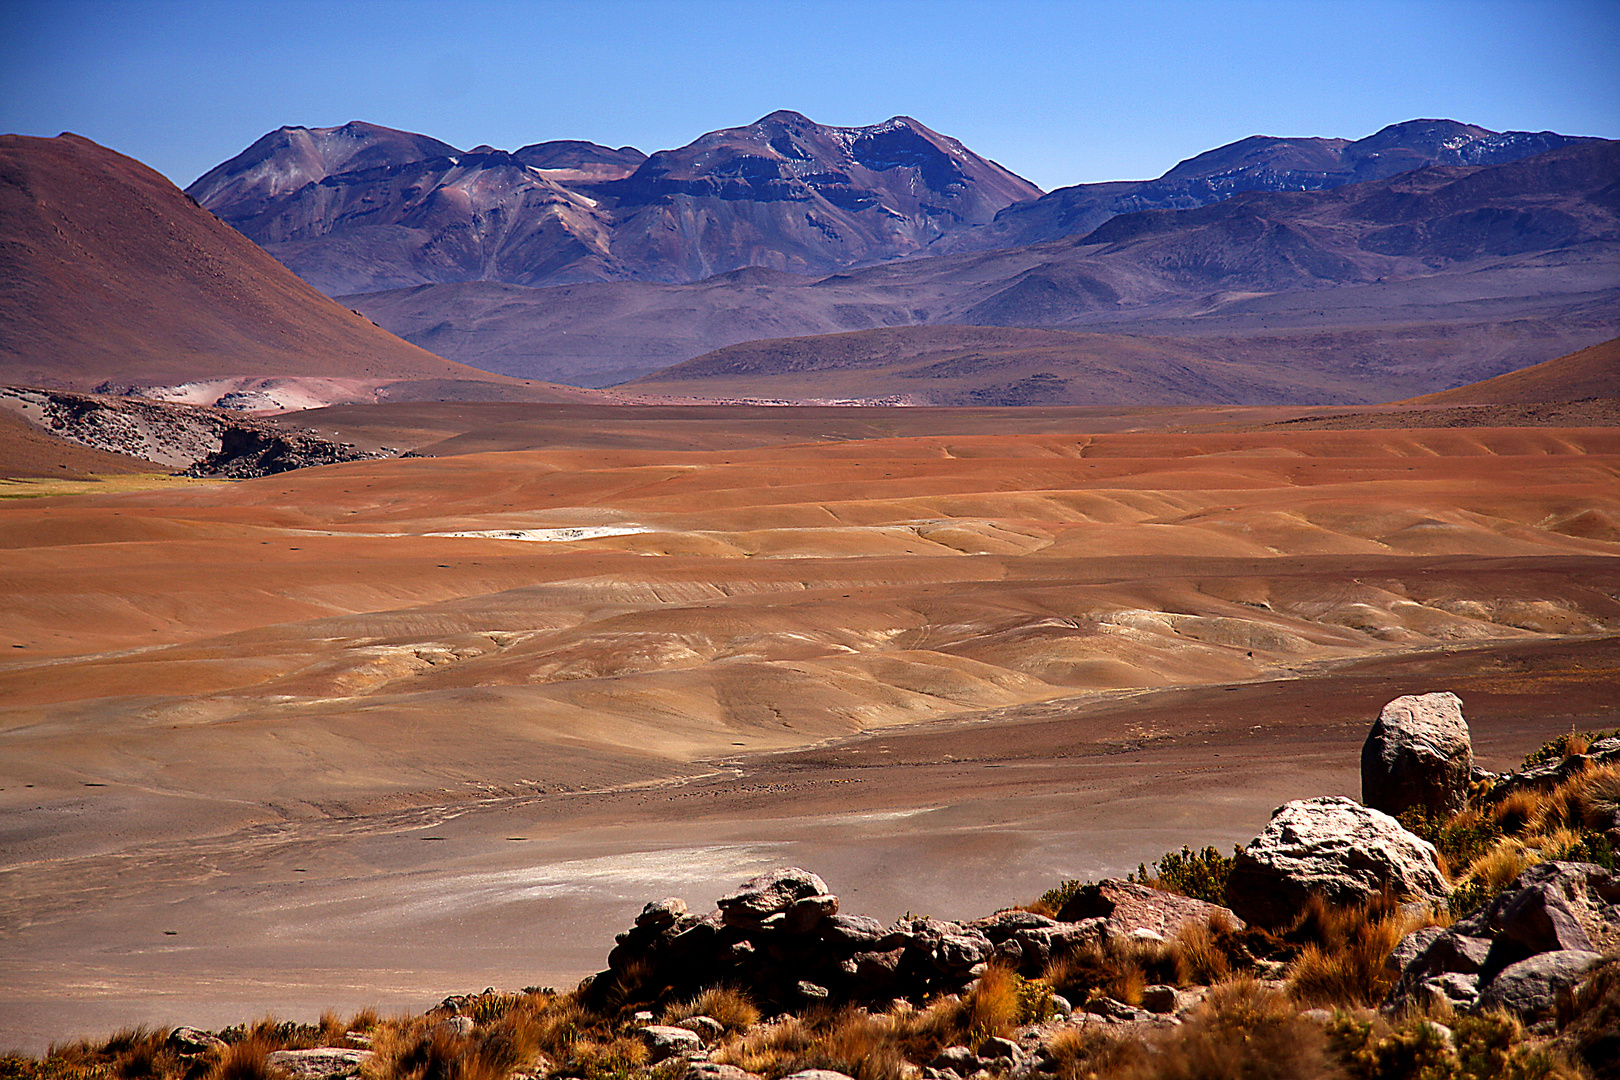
(578, 532)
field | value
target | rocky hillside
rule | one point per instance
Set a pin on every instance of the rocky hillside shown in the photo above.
(198, 441)
(362, 208)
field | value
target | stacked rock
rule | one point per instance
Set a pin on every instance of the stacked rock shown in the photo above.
(781, 938)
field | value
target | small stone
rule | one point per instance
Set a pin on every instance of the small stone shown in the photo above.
(712, 1070)
(321, 1063)
(706, 1028)
(997, 1048)
(1062, 1005)
(959, 1059)
(1159, 999)
(818, 1074)
(811, 992)
(665, 1041)
(456, 1025)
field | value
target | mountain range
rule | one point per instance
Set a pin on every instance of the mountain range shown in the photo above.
(360, 208)
(1459, 269)
(1405, 285)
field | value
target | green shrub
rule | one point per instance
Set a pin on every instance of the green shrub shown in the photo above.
(1199, 874)
(1561, 747)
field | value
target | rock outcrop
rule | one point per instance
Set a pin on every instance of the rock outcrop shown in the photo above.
(1335, 847)
(1129, 908)
(1565, 910)
(781, 938)
(1418, 754)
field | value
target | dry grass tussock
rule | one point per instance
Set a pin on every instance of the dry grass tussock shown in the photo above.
(1341, 961)
(731, 1008)
(887, 1046)
(1243, 1031)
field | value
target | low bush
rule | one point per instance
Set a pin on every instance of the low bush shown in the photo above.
(1199, 874)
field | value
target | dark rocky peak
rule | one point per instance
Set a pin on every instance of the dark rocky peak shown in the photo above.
(575, 159)
(290, 157)
(1262, 153)
(787, 156)
(1428, 137)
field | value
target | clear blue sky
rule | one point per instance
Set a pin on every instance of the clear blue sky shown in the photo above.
(1061, 92)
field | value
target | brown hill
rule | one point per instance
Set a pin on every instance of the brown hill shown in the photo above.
(1591, 373)
(109, 272)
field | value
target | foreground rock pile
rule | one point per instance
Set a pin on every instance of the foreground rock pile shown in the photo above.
(782, 939)
(780, 965)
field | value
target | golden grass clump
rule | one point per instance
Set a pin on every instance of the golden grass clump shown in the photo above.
(1242, 1031)
(732, 1009)
(245, 1060)
(1199, 959)
(1344, 947)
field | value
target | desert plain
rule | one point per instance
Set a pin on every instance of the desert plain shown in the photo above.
(373, 733)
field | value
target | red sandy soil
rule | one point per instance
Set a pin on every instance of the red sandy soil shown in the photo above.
(277, 745)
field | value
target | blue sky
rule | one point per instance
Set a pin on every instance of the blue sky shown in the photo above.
(1061, 92)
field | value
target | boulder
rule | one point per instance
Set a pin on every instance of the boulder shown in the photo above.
(190, 1040)
(321, 1063)
(665, 1041)
(1335, 847)
(818, 1074)
(855, 932)
(1418, 754)
(1551, 907)
(661, 913)
(1530, 989)
(1410, 947)
(1458, 990)
(1127, 907)
(771, 893)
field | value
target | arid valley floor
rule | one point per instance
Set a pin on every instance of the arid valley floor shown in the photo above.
(376, 732)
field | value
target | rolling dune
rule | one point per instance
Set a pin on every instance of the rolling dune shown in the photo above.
(941, 667)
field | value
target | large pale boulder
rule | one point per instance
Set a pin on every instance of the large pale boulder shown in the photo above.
(1335, 847)
(1418, 754)
(774, 892)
